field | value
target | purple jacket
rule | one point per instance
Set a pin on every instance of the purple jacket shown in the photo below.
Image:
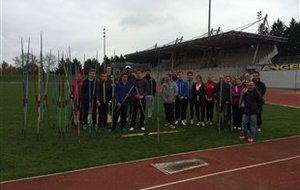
(141, 87)
(236, 94)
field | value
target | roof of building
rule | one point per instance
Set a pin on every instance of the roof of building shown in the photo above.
(231, 39)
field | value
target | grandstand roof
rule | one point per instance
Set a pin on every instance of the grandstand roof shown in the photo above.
(231, 39)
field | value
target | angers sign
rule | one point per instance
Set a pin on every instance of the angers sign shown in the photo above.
(281, 67)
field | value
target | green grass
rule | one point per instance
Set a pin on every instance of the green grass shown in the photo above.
(23, 156)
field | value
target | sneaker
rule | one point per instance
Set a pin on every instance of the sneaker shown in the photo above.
(172, 126)
(239, 128)
(250, 140)
(242, 138)
(176, 122)
(183, 122)
(143, 128)
(202, 124)
(166, 124)
(234, 127)
(192, 122)
(198, 124)
(259, 129)
(84, 127)
(131, 129)
(210, 123)
(124, 129)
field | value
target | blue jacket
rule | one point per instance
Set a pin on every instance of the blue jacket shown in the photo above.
(182, 87)
(141, 86)
(122, 91)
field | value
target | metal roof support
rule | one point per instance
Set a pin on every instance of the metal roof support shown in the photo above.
(255, 53)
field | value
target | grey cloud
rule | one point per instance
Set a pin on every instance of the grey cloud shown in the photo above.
(131, 25)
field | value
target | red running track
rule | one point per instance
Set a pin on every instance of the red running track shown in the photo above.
(283, 97)
(267, 165)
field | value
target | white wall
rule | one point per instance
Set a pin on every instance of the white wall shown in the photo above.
(281, 79)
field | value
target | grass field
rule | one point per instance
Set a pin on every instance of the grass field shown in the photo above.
(23, 156)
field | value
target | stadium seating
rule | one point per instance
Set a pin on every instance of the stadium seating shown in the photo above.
(227, 62)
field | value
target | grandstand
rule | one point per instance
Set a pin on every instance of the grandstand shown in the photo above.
(231, 53)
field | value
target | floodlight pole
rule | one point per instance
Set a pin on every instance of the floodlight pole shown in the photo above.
(209, 14)
(259, 15)
(104, 51)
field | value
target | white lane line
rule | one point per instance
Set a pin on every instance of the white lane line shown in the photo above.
(221, 172)
(146, 159)
(283, 105)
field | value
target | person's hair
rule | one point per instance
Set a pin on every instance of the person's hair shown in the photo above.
(200, 77)
(123, 74)
(139, 70)
(148, 70)
(178, 72)
(189, 73)
(256, 72)
(169, 75)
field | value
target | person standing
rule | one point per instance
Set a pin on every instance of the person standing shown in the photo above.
(236, 96)
(76, 86)
(169, 93)
(190, 100)
(141, 89)
(261, 88)
(123, 91)
(108, 72)
(174, 76)
(252, 100)
(181, 100)
(221, 94)
(88, 98)
(209, 99)
(104, 98)
(198, 91)
(150, 96)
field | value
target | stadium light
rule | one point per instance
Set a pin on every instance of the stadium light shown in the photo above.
(209, 13)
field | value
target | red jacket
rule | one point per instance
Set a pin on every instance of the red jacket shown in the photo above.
(76, 89)
(209, 89)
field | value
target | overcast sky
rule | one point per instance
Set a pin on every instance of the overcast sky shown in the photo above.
(131, 25)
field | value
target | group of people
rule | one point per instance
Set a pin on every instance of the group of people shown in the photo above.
(132, 92)
(238, 101)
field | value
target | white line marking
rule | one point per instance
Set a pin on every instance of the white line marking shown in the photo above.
(221, 172)
(283, 105)
(145, 159)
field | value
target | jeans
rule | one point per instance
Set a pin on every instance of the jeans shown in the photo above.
(249, 125)
(122, 111)
(149, 105)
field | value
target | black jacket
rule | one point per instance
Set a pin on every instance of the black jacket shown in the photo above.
(151, 84)
(252, 100)
(87, 91)
(261, 87)
(108, 92)
(225, 91)
(198, 95)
